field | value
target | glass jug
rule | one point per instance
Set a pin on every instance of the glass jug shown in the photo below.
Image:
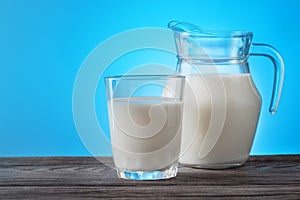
(221, 102)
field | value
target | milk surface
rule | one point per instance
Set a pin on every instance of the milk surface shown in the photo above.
(219, 120)
(145, 132)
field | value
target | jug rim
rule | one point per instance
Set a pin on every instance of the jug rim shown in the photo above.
(217, 33)
(188, 29)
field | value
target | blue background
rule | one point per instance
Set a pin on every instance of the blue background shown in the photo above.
(43, 43)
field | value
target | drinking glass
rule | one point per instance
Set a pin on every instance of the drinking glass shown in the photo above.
(145, 116)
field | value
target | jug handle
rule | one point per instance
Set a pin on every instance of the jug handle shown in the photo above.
(266, 50)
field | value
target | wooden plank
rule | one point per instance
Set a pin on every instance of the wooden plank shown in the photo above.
(172, 192)
(271, 177)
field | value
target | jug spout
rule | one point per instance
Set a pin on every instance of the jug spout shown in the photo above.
(185, 27)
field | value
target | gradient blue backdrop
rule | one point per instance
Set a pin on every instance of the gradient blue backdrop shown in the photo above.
(43, 43)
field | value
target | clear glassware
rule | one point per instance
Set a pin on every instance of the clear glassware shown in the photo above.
(145, 115)
(222, 104)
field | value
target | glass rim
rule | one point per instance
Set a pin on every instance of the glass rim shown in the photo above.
(141, 77)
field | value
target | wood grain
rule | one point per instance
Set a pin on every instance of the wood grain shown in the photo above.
(262, 177)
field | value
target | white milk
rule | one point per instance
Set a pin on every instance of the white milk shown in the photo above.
(219, 120)
(145, 132)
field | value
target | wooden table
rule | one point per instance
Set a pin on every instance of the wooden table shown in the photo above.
(262, 177)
